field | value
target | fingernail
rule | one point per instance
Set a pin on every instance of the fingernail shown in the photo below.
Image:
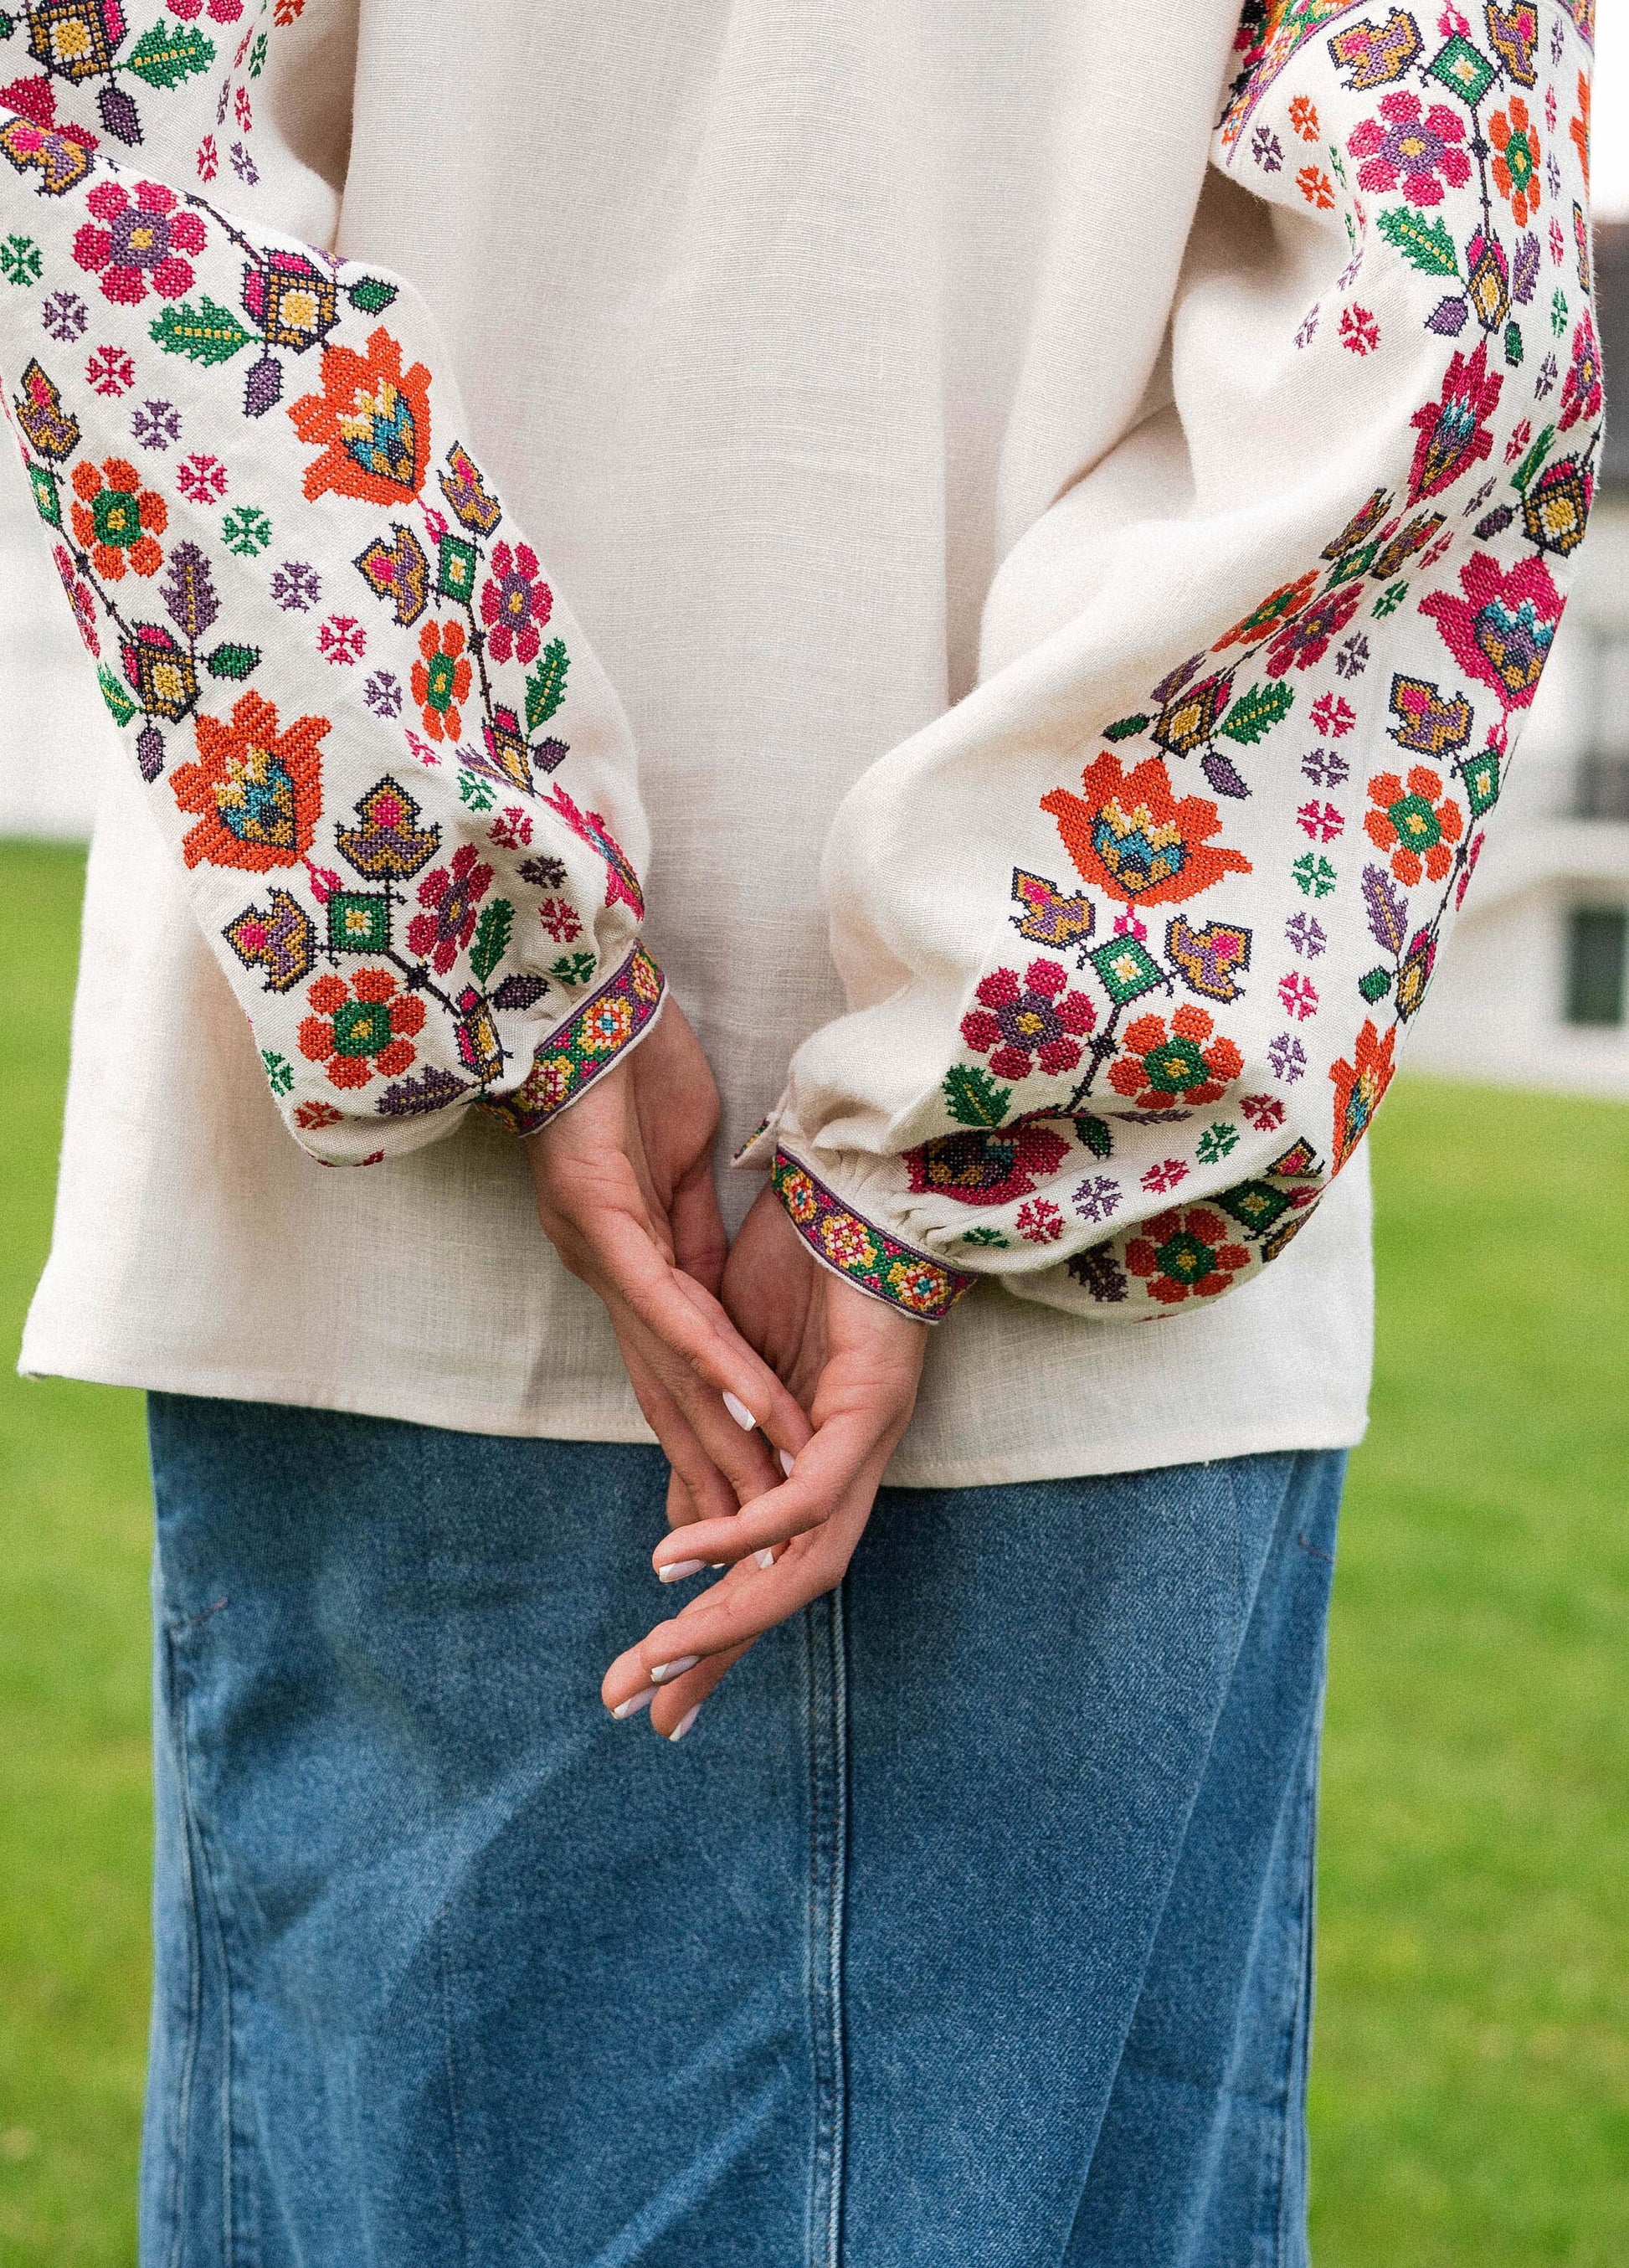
(742, 1416)
(632, 1708)
(685, 1722)
(765, 1558)
(664, 1670)
(787, 1462)
(676, 1570)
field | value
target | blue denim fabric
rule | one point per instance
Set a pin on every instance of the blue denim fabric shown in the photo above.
(971, 1925)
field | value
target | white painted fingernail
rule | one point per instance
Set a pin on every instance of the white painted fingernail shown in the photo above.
(788, 1462)
(632, 1708)
(664, 1670)
(676, 1570)
(765, 1558)
(685, 1722)
(742, 1416)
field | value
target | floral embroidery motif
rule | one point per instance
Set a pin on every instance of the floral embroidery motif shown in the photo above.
(1131, 836)
(117, 519)
(1413, 824)
(1184, 1254)
(1181, 1063)
(257, 787)
(138, 241)
(587, 1044)
(372, 420)
(361, 1028)
(1022, 1022)
(876, 1261)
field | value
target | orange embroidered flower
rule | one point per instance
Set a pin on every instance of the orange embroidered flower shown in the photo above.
(1183, 1253)
(1317, 186)
(1132, 836)
(441, 680)
(117, 519)
(1360, 1087)
(1162, 1068)
(1517, 160)
(1304, 117)
(1412, 824)
(361, 1027)
(258, 790)
(374, 418)
(1288, 599)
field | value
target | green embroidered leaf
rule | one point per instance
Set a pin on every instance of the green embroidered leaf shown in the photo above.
(1094, 1135)
(115, 695)
(476, 791)
(372, 294)
(232, 660)
(1513, 345)
(973, 1098)
(492, 934)
(279, 1072)
(573, 968)
(992, 1237)
(545, 689)
(8, 24)
(1532, 464)
(170, 53)
(257, 57)
(1126, 728)
(1376, 985)
(1424, 245)
(1256, 712)
(205, 333)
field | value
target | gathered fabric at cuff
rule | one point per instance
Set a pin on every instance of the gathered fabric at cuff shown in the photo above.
(601, 1033)
(862, 1253)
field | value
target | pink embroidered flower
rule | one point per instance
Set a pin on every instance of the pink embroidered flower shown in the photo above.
(202, 479)
(1333, 715)
(1500, 632)
(1023, 1021)
(1359, 333)
(1305, 638)
(79, 599)
(450, 896)
(514, 603)
(135, 244)
(1411, 148)
(1580, 388)
(1040, 1222)
(1453, 433)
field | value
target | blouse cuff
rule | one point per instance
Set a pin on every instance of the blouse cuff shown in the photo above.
(600, 1034)
(861, 1253)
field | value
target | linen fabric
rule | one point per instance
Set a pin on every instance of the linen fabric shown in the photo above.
(891, 392)
(896, 1957)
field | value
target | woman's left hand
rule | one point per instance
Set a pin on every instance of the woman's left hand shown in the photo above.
(854, 1363)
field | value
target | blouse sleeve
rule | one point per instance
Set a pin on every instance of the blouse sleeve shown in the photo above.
(1131, 935)
(402, 792)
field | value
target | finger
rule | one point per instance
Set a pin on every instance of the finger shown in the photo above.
(834, 1462)
(677, 1706)
(700, 1245)
(696, 1488)
(736, 1612)
(740, 1453)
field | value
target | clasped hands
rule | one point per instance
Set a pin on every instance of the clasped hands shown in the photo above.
(778, 1392)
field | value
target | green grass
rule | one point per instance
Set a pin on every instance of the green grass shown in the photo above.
(1472, 2081)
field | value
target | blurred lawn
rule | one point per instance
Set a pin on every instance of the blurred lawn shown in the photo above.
(1471, 2082)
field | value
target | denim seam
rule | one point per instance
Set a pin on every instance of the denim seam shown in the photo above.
(233, 2255)
(1298, 2029)
(451, 2100)
(827, 1766)
(179, 2122)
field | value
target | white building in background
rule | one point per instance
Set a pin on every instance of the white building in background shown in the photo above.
(1529, 992)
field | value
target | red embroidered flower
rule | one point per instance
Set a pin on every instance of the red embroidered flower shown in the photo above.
(1417, 823)
(136, 243)
(1165, 1065)
(1132, 836)
(1028, 1020)
(441, 680)
(1186, 1253)
(361, 1027)
(450, 897)
(1517, 160)
(1413, 148)
(1304, 640)
(1500, 632)
(258, 790)
(986, 1168)
(1580, 389)
(117, 519)
(514, 604)
(1359, 1088)
(373, 418)
(1453, 433)
(79, 598)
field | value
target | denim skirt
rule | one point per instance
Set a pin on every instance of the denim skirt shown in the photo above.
(972, 1923)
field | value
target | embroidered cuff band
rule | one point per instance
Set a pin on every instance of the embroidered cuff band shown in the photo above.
(598, 1035)
(862, 1253)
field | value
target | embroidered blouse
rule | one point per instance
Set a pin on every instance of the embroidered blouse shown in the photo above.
(1129, 932)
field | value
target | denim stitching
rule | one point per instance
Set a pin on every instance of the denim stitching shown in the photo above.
(451, 2100)
(179, 2122)
(827, 1762)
